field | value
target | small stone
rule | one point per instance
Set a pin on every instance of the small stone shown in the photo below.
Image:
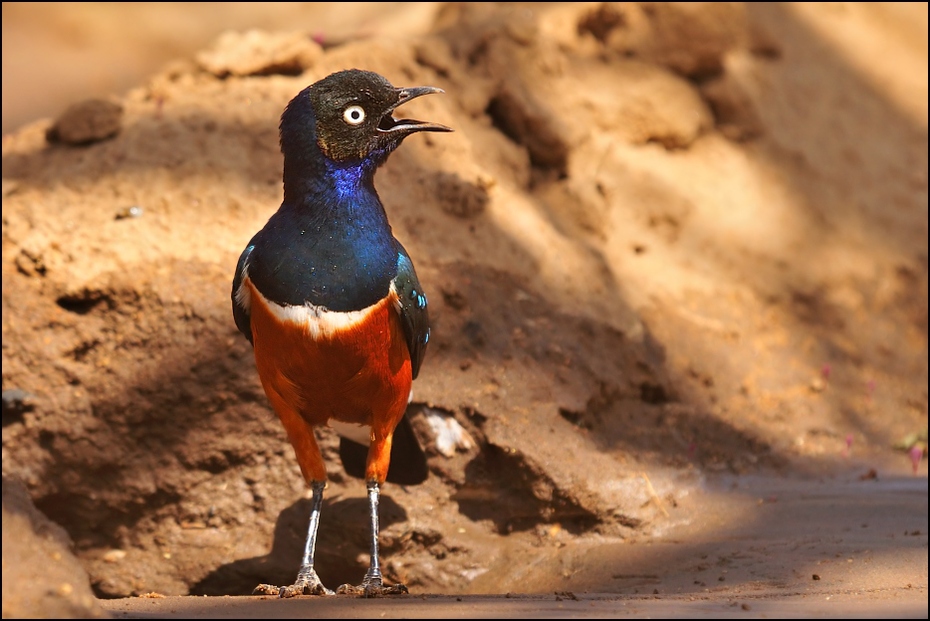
(133, 211)
(87, 122)
(16, 403)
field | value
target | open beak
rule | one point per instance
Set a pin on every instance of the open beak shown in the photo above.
(390, 125)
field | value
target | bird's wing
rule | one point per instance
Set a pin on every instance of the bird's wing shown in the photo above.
(240, 302)
(412, 307)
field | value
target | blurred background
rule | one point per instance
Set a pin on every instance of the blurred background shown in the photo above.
(57, 53)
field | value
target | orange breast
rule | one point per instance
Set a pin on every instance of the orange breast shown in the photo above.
(357, 373)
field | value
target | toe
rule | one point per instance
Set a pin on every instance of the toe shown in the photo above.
(349, 589)
(291, 591)
(266, 589)
(372, 590)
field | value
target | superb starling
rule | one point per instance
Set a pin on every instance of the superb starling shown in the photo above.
(329, 298)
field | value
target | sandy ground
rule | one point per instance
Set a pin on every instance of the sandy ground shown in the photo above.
(859, 556)
(677, 261)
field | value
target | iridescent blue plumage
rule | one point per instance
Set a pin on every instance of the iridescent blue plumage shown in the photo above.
(330, 244)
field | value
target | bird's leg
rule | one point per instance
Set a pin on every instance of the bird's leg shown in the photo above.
(307, 583)
(373, 584)
(307, 580)
(373, 577)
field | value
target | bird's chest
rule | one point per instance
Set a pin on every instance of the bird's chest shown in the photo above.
(342, 265)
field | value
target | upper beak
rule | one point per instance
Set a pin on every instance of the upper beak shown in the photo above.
(389, 124)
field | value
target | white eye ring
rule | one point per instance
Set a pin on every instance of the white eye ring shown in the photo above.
(354, 115)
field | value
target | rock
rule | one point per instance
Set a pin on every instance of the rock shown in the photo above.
(41, 576)
(260, 53)
(87, 122)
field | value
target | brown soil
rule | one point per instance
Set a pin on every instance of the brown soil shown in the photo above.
(676, 257)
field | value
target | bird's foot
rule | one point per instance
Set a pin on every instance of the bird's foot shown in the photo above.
(307, 584)
(372, 588)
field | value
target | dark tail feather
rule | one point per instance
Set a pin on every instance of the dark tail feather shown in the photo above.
(408, 461)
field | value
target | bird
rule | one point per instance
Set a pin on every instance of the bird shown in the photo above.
(329, 298)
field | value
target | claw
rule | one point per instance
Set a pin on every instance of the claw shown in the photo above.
(306, 589)
(305, 585)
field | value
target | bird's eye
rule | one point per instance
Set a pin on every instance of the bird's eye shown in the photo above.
(354, 115)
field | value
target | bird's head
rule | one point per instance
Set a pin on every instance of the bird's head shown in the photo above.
(350, 116)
